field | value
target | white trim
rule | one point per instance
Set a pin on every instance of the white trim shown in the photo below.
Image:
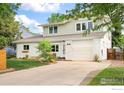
(81, 22)
(55, 48)
(53, 30)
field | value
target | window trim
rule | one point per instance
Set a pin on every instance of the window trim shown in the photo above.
(53, 32)
(92, 25)
(76, 27)
(49, 30)
(26, 47)
(56, 47)
(86, 23)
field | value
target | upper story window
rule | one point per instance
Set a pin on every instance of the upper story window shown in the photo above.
(90, 25)
(53, 30)
(78, 27)
(84, 26)
(26, 47)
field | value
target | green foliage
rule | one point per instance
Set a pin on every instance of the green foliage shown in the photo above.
(110, 15)
(120, 42)
(23, 64)
(109, 76)
(8, 26)
(3, 42)
(11, 56)
(22, 29)
(56, 17)
(44, 48)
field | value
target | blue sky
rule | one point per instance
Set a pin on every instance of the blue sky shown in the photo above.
(32, 15)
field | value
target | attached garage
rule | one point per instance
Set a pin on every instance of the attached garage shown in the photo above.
(79, 50)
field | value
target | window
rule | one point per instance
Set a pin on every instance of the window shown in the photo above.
(53, 30)
(26, 47)
(50, 30)
(78, 27)
(83, 26)
(55, 48)
(90, 25)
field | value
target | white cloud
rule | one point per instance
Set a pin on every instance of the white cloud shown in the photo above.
(24, 19)
(30, 23)
(43, 7)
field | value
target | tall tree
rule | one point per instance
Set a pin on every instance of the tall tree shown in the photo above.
(8, 26)
(56, 17)
(111, 14)
(22, 29)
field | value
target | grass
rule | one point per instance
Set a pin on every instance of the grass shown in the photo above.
(23, 64)
(109, 76)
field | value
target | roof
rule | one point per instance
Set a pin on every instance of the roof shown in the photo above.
(58, 23)
(59, 38)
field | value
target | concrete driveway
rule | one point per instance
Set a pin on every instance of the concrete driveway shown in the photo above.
(62, 73)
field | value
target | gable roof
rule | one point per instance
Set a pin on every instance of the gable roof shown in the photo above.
(59, 38)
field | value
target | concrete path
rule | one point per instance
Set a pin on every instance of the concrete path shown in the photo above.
(62, 73)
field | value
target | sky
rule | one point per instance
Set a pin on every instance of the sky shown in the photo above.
(34, 14)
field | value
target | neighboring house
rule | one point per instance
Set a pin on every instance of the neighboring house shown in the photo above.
(68, 41)
(27, 34)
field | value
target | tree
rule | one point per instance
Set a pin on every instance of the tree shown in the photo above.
(44, 48)
(56, 17)
(22, 29)
(111, 14)
(8, 26)
(3, 42)
(121, 42)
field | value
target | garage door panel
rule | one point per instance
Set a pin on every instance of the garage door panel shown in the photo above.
(80, 50)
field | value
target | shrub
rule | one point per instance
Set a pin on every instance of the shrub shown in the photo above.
(96, 58)
(26, 57)
(11, 56)
(44, 48)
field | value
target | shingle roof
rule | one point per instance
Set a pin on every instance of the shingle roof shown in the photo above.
(58, 23)
(38, 38)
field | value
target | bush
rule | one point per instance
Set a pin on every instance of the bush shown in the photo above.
(44, 48)
(11, 56)
(96, 58)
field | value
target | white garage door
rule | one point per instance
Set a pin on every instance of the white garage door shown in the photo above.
(79, 50)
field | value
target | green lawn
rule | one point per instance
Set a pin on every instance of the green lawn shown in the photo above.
(23, 64)
(109, 76)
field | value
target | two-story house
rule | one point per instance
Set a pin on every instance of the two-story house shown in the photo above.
(68, 41)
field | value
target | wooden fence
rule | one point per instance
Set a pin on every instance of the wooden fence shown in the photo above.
(2, 59)
(114, 54)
